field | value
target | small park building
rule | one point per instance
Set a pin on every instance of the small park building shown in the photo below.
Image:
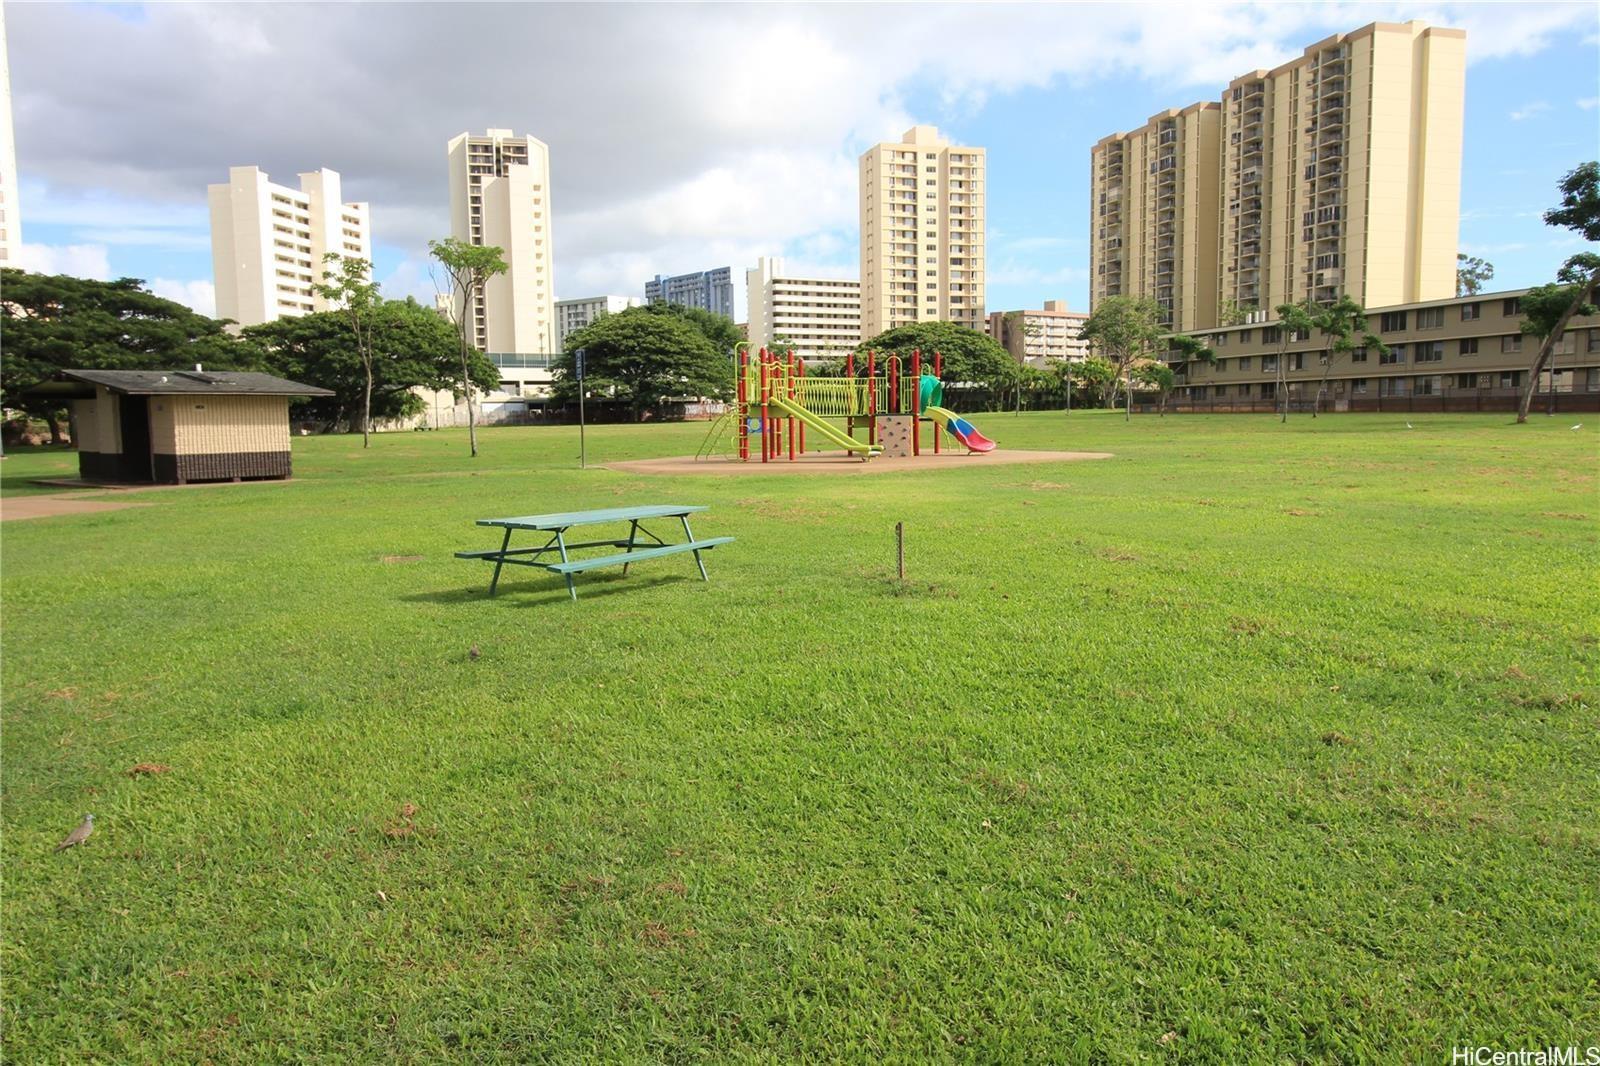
(176, 426)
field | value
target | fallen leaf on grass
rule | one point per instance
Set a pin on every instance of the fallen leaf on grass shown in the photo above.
(408, 810)
(1517, 672)
(146, 768)
(1117, 556)
(68, 693)
(1299, 513)
(673, 887)
(1333, 736)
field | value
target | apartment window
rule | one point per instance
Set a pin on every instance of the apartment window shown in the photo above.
(1394, 355)
(1430, 318)
(1466, 381)
(1511, 343)
(1297, 360)
(1221, 341)
(1359, 355)
(1430, 352)
(1269, 362)
(1594, 340)
(1271, 335)
(1393, 321)
(1268, 389)
(1510, 379)
(1394, 387)
(1427, 386)
(1244, 335)
(1511, 307)
(1471, 312)
(1358, 385)
(1244, 362)
(1468, 346)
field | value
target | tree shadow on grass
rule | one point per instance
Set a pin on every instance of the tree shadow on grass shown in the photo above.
(537, 592)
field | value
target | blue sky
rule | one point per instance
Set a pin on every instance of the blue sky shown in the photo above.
(667, 163)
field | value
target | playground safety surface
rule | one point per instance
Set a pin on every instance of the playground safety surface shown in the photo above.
(837, 463)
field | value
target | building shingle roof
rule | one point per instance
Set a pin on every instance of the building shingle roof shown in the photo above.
(188, 382)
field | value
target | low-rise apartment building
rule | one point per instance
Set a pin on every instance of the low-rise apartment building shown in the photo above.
(573, 315)
(818, 318)
(1465, 353)
(1037, 338)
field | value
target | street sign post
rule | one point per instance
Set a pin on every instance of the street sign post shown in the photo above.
(583, 451)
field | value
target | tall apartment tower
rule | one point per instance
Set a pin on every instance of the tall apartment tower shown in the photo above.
(819, 318)
(1336, 173)
(1342, 171)
(268, 242)
(500, 196)
(10, 220)
(1155, 214)
(922, 232)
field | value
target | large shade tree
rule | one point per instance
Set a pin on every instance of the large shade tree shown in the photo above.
(410, 347)
(1546, 310)
(643, 358)
(720, 330)
(965, 354)
(54, 322)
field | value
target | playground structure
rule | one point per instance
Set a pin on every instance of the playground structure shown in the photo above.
(776, 401)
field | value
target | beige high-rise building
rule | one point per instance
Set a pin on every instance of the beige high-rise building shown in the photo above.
(1338, 172)
(1342, 171)
(10, 220)
(500, 196)
(1155, 214)
(268, 242)
(922, 233)
(819, 318)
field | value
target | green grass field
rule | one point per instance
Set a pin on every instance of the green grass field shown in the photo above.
(1255, 742)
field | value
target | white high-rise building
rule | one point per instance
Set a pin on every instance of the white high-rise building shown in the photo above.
(268, 242)
(10, 220)
(573, 315)
(922, 233)
(500, 196)
(819, 318)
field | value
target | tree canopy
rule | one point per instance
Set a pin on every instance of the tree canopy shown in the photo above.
(720, 330)
(53, 322)
(967, 355)
(1472, 274)
(1547, 309)
(641, 357)
(412, 346)
(468, 268)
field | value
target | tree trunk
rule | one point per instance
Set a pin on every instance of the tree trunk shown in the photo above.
(55, 429)
(366, 410)
(1127, 387)
(1549, 344)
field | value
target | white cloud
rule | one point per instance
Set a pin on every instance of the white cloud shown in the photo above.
(663, 161)
(79, 260)
(1589, 103)
(199, 295)
(1528, 110)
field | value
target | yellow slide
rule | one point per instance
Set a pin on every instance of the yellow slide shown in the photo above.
(823, 426)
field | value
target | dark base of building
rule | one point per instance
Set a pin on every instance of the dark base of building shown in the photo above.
(1563, 403)
(163, 469)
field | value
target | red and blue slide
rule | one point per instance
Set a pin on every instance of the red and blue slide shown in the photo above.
(960, 429)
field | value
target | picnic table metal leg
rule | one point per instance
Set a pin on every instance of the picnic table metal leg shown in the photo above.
(690, 537)
(632, 532)
(561, 545)
(500, 561)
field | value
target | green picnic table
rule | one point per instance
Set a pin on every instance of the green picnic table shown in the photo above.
(556, 526)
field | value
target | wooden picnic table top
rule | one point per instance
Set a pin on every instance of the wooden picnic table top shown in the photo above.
(567, 519)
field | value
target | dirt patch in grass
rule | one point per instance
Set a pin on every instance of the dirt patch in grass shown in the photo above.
(16, 508)
(840, 464)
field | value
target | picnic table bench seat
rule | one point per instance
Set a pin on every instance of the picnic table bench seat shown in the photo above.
(557, 525)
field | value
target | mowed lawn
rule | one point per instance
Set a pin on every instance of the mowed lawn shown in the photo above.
(1255, 742)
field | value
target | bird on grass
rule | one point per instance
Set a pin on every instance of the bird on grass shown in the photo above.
(1578, 426)
(473, 652)
(1410, 426)
(78, 835)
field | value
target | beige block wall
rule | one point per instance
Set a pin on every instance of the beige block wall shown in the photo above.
(202, 425)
